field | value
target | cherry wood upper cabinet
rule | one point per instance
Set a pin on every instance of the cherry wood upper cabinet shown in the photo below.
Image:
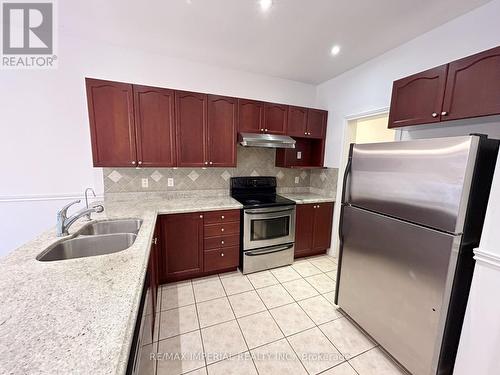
(275, 118)
(473, 86)
(250, 116)
(111, 116)
(221, 131)
(190, 126)
(297, 121)
(155, 126)
(316, 123)
(182, 246)
(418, 99)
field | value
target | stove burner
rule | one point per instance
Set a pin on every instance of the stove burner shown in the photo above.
(252, 201)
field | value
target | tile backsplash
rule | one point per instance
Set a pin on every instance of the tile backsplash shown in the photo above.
(251, 162)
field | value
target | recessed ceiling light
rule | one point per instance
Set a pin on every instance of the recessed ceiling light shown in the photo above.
(335, 50)
(265, 5)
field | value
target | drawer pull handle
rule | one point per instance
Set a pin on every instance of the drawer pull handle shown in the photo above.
(222, 217)
(222, 242)
(221, 254)
(222, 229)
(201, 216)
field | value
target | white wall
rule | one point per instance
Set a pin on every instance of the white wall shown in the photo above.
(368, 87)
(45, 144)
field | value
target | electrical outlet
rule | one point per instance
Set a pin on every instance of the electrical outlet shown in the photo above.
(145, 183)
(297, 179)
(170, 181)
(299, 155)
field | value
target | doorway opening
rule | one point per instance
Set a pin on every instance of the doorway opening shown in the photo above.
(363, 128)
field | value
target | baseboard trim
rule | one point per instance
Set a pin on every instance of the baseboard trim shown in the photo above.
(45, 197)
(487, 258)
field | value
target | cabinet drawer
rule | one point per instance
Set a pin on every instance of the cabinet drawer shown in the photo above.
(217, 217)
(222, 241)
(220, 259)
(213, 230)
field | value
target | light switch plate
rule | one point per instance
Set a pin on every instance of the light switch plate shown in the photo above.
(170, 181)
(145, 183)
(297, 179)
(299, 155)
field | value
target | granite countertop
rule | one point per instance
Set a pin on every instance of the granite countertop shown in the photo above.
(304, 198)
(77, 316)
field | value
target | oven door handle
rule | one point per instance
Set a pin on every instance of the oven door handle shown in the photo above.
(259, 210)
(270, 251)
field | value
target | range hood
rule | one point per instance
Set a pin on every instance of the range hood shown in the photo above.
(266, 140)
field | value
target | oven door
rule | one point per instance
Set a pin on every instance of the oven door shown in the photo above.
(270, 226)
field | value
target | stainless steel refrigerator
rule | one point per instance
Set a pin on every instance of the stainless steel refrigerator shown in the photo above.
(412, 212)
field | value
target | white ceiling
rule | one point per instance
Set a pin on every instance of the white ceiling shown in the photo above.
(291, 41)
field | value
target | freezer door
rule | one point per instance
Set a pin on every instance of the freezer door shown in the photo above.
(395, 282)
(422, 181)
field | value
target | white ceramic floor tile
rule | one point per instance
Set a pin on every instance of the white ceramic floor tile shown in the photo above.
(305, 268)
(240, 364)
(214, 312)
(204, 279)
(321, 283)
(176, 296)
(277, 358)
(200, 371)
(246, 303)
(230, 274)
(176, 321)
(176, 284)
(342, 369)
(259, 329)
(375, 362)
(208, 290)
(324, 263)
(222, 341)
(237, 284)
(319, 309)
(300, 289)
(315, 351)
(291, 319)
(330, 297)
(284, 274)
(348, 339)
(177, 363)
(274, 296)
(332, 275)
(262, 279)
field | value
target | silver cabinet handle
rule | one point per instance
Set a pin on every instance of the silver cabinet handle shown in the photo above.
(305, 133)
(206, 163)
(444, 113)
(261, 130)
(265, 130)
(222, 242)
(201, 216)
(222, 229)
(222, 217)
(133, 162)
(221, 254)
(210, 163)
(434, 114)
(140, 162)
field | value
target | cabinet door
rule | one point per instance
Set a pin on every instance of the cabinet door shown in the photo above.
(190, 123)
(221, 130)
(304, 224)
(154, 119)
(182, 245)
(297, 121)
(316, 123)
(418, 99)
(275, 118)
(250, 116)
(473, 86)
(322, 226)
(111, 116)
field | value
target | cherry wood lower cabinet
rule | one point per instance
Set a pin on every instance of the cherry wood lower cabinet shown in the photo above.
(198, 244)
(313, 228)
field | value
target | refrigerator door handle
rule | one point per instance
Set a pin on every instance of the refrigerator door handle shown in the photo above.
(346, 174)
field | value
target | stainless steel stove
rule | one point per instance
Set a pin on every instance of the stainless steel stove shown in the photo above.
(268, 224)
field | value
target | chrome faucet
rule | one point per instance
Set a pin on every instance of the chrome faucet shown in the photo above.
(87, 202)
(64, 222)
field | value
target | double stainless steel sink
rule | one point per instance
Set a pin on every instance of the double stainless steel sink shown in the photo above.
(99, 238)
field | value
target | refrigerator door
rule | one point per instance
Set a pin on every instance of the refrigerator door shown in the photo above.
(423, 181)
(395, 282)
